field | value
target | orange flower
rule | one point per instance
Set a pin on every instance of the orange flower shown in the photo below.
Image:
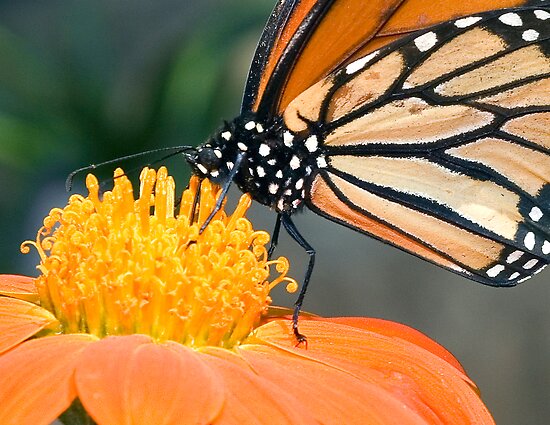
(145, 321)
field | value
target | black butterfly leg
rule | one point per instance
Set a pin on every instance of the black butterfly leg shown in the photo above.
(225, 189)
(275, 237)
(295, 234)
(196, 201)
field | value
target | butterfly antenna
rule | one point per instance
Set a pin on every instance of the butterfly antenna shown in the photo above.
(174, 151)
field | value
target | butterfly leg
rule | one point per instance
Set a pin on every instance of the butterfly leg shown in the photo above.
(275, 237)
(196, 201)
(225, 189)
(295, 234)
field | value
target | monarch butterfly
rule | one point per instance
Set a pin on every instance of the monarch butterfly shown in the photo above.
(423, 125)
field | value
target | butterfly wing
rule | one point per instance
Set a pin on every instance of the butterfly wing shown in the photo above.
(439, 144)
(304, 40)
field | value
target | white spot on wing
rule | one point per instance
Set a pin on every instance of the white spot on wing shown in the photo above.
(259, 128)
(281, 204)
(279, 174)
(230, 165)
(260, 170)
(529, 241)
(466, 22)
(360, 63)
(312, 143)
(495, 270)
(546, 247)
(264, 150)
(514, 275)
(215, 173)
(426, 41)
(226, 135)
(543, 15)
(460, 269)
(514, 256)
(242, 146)
(299, 184)
(218, 153)
(535, 214)
(202, 168)
(530, 264)
(530, 35)
(321, 162)
(272, 162)
(541, 268)
(250, 125)
(295, 162)
(512, 19)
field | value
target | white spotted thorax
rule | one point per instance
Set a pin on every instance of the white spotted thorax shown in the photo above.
(278, 165)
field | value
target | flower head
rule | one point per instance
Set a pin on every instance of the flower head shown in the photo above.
(146, 320)
(119, 266)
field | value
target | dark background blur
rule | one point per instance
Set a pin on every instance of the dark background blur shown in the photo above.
(82, 82)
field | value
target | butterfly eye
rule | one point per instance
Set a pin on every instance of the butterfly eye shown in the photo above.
(209, 158)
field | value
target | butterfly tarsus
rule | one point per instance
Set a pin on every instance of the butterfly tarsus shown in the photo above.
(290, 227)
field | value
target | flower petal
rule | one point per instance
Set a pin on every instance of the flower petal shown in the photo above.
(19, 320)
(251, 399)
(398, 330)
(176, 388)
(16, 286)
(130, 379)
(420, 379)
(331, 395)
(36, 379)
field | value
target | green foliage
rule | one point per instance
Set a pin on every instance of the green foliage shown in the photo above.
(85, 82)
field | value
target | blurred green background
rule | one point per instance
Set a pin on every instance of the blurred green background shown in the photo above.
(82, 82)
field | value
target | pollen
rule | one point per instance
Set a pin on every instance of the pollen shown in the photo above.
(115, 265)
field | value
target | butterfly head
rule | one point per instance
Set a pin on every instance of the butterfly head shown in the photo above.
(206, 161)
(216, 158)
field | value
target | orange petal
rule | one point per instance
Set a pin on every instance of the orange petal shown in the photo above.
(251, 399)
(420, 379)
(19, 320)
(36, 379)
(331, 395)
(130, 379)
(398, 330)
(16, 286)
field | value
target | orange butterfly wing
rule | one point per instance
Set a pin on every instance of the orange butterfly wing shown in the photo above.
(305, 40)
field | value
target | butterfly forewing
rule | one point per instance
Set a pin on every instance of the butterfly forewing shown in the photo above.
(305, 40)
(439, 144)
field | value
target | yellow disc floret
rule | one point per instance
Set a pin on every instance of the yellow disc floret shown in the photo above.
(112, 265)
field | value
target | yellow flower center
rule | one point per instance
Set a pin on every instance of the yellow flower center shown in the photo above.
(113, 265)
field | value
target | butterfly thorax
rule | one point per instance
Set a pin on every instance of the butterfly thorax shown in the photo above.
(277, 165)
